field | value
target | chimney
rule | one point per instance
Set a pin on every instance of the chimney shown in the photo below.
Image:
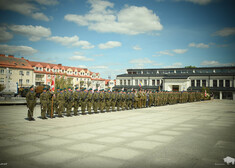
(11, 56)
(60, 64)
(22, 57)
(2, 55)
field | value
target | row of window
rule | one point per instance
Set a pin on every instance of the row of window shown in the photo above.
(137, 82)
(2, 81)
(62, 71)
(216, 83)
(183, 71)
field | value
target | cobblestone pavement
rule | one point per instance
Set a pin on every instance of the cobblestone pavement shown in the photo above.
(198, 134)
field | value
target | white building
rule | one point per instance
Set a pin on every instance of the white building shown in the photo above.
(220, 80)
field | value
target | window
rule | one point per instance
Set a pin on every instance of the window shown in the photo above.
(49, 83)
(36, 68)
(49, 76)
(27, 81)
(145, 82)
(227, 83)
(129, 82)
(2, 80)
(75, 73)
(10, 71)
(21, 73)
(27, 73)
(158, 82)
(192, 83)
(120, 82)
(77, 79)
(198, 83)
(136, 82)
(204, 83)
(124, 82)
(20, 81)
(153, 82)
(214, 83)
(2, 71)
(221, 83)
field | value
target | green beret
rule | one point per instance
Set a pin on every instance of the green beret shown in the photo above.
(96, 90)
(64, 88)
(44, 88)
(58, 88)
(90, 89)
(31, 86)
(76, 88)
(61, 89)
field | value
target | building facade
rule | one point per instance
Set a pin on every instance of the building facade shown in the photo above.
(27, 73)
(220, 80)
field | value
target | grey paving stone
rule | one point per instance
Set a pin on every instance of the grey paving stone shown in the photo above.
(81, 136)
(110, 140)
(53, 157)
(170, 133)
(97, 162)
(55, 142)
(87, 147)
(144, 144)
(120, 153)
(129, 134)
(160, 138)
(31, 137)
(22, 150)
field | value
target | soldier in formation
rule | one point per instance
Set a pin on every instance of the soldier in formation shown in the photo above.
(69, 102)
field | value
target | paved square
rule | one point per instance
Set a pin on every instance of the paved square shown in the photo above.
(198, 134)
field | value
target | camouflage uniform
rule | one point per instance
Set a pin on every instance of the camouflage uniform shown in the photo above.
(31, 103)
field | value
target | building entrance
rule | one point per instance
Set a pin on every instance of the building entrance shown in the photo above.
(175, 88)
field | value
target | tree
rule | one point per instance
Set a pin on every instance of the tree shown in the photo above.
(2, 87)
(63, 82)
(207, 90)
(190, 66)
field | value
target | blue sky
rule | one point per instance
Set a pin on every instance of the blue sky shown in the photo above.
(114, 35)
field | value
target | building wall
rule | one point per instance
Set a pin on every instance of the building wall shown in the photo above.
(27, 78)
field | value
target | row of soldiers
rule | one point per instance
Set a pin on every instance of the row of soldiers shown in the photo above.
(64, 100)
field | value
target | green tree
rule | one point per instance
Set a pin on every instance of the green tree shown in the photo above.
(2, 87)
(62, 82)
(190, 66)
(207, 90)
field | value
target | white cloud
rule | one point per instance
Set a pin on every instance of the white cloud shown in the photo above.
(71, 41)
(110, 44)
(199, 45)
(99, 67)
(141, 62)
(98, 55)
(165, 52)
(17, 50)
(34, 33)
(24, 7)
(82, 66)
(175, 65)
(47, 2)
(137, 47)
(180, 51)
(130, 20)
(80, 58)
(227, 31)
(199, 2)
(216, 63)
(4, 35)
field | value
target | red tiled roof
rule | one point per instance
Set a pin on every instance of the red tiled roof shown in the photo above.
(12, 62)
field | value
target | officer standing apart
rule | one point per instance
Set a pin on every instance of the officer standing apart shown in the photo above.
(31, 103)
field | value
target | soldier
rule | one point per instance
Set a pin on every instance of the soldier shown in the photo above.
(147, 99)
(61, 101)
(83, 100)
(89, 100)
(123, 100)
(119, 100)
(56, 103)
(135, 100)
(95, 100)
(49, 103)
(76, 98)
(44, 102)
(69, 101)
(65, 105)
(31, 103)
(102, 100)
(113, 100)
(139, 99)
(107, 100)
(151, 98)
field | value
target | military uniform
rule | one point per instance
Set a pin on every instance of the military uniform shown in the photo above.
(83, 101)
(69, 101)
(89, 101)
(49, 102)
(119, 101)
(95, 101)
(44, 103)
(61, 101)
(102, 101)
(107, 101)
(113, 100)
(77, 99)
(56, 103)
(31, 103)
